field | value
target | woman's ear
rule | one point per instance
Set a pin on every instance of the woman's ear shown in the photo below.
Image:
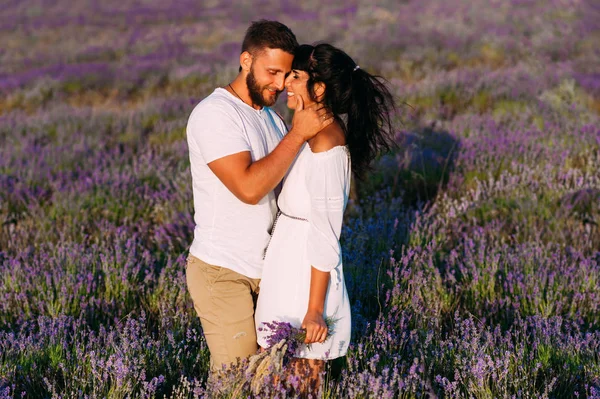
(246, 61)
(319, 88)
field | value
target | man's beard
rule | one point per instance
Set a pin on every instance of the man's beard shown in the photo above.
(255, 91)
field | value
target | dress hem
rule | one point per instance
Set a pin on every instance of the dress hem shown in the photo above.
(314, 357)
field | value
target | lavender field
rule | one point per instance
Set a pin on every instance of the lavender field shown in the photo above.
(472, 254)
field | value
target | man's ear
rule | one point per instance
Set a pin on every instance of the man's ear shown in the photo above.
(246, 61)
(319, 88)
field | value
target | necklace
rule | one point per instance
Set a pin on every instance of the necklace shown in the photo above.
(237, 95)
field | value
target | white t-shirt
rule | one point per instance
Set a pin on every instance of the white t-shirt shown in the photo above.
(228, 232)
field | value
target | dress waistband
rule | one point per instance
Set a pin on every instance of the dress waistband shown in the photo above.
(291, 217)
(279, 213)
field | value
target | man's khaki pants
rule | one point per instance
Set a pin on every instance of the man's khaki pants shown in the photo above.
(225, 302)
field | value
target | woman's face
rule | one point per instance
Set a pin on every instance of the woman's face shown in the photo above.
(295, 84)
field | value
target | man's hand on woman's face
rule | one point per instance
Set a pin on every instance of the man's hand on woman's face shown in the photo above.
(309, 121)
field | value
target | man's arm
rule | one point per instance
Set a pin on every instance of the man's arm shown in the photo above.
(251, 181)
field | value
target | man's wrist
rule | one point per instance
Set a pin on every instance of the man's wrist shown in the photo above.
(295, 137)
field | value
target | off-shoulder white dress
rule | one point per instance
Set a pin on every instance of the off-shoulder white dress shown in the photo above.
(306, 233)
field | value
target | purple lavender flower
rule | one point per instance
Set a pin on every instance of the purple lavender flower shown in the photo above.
(294, 337)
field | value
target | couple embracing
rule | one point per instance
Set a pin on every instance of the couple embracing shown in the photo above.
(269, 202)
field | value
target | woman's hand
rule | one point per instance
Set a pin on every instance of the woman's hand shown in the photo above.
(315, 326)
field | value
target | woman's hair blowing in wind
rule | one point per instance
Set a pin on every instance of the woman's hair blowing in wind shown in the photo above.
(363, 99)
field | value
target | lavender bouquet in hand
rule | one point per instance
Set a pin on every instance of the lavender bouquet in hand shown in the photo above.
(293, 336)
(283, 341)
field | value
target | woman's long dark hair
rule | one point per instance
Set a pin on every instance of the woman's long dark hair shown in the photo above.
(363, 98)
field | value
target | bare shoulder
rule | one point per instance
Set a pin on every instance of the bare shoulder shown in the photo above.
(328, 138)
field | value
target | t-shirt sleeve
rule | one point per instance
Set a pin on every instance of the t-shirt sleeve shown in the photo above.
(327, 186)
(216, 130)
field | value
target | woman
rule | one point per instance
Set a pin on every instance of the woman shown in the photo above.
(303, 280)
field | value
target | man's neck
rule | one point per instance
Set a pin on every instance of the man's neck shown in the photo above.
(239, 89)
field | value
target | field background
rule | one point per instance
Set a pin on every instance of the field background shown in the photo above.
(471, 254)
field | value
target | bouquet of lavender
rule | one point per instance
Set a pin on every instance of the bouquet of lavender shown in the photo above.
(283, 342)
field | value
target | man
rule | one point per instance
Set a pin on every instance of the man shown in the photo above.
(239, 153)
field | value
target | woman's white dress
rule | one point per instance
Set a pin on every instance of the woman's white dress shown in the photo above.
(306, 233)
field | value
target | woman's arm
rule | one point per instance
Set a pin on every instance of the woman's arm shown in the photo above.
(314, 323)
(327, 185)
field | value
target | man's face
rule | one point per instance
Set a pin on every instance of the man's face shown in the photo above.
(267, 75)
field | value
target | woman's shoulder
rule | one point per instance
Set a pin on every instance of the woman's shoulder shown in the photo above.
(330, 137)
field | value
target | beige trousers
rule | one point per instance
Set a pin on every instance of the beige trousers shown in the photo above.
(225, 302)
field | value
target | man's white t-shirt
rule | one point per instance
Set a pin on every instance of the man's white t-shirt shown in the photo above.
(228, 232)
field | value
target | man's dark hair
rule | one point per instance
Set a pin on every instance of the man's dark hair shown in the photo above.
(269, 34)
